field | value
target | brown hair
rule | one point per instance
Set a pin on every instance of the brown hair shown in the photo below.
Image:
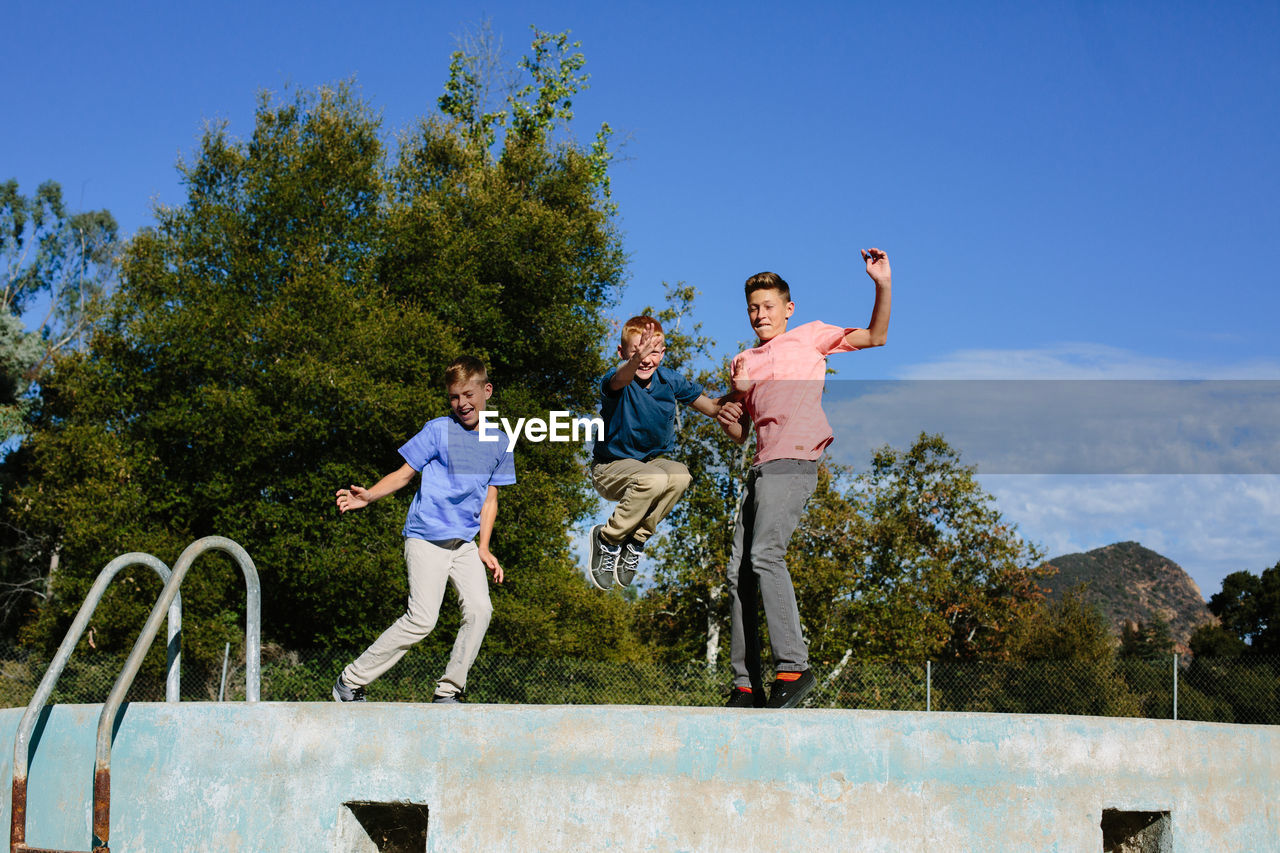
(768, 281)
(637, 325)
(465, 368)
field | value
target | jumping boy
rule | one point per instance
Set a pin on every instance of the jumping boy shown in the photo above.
(457, 499)
(638, 405)
(780, 386)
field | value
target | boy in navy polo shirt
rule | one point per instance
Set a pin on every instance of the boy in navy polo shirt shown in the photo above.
(638, 404)
(457, 499)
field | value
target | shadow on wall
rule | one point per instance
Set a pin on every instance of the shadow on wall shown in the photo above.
(396, 827)
(1136, 832)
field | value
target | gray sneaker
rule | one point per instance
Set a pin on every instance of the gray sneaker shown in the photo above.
(628, 563)
(451, 699)
(604, 557)
(343, 692)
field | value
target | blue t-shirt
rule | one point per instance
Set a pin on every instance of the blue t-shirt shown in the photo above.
(640, 421)
(457, 469)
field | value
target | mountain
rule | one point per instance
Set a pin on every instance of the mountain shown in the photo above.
(1130, 583)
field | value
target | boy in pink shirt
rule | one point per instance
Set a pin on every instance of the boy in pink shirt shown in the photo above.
(779, 391)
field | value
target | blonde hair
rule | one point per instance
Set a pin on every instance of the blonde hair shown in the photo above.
(465, 368)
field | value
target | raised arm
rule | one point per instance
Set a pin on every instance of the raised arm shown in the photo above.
(358, 497)
(877, 331)
(650, 342)
(488, 513)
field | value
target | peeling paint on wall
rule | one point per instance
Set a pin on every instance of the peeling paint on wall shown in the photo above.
(276, 776)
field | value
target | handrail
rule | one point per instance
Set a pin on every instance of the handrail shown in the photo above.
(253, 665)
(18, 804)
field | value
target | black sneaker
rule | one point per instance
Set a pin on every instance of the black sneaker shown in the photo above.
(787, 694)
(343, 692)
(604, 558)
(741, 697)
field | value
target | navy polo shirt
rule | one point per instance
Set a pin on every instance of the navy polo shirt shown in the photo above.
(640, 421)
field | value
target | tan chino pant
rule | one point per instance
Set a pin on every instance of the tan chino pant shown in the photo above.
(430, 568)
(645, 492)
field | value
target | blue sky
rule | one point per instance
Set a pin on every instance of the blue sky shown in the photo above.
(1066, 190)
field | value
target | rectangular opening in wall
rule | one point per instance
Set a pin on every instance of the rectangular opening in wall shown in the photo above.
(395, 827)
(1136, 832)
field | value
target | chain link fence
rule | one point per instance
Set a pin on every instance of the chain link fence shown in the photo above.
(1226, 690)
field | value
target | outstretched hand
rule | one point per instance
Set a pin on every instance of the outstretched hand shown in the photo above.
(877, 266)
(650, 342)
(354, 498)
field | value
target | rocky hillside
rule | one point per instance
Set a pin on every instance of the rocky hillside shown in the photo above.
(1130, 583)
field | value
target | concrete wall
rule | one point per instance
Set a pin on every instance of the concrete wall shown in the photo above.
(274, 777)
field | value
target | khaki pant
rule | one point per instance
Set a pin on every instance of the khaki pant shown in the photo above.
(430, 567)
(645, 492)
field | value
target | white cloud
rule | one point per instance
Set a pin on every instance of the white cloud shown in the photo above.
(1076, 360)
(1069, 426)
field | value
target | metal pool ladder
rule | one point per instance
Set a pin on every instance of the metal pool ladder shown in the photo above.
(170, 602)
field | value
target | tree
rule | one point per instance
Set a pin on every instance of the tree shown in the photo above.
(66, 258)
(280, 333)
(1214, 641)
(1062, 661)
(516, 243)
(939, 572)
(1235, 660)
(1070, 629)
(1146, 640)
(1248, 608)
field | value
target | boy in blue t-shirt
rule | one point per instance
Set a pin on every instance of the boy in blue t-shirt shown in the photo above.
(457, 499)
(638, 404)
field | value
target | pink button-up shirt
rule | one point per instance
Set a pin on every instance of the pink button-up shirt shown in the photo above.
(785, 400)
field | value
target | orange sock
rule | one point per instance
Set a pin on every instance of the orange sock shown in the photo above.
(788, 676)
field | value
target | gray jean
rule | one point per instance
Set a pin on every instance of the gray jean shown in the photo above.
(772, 504)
